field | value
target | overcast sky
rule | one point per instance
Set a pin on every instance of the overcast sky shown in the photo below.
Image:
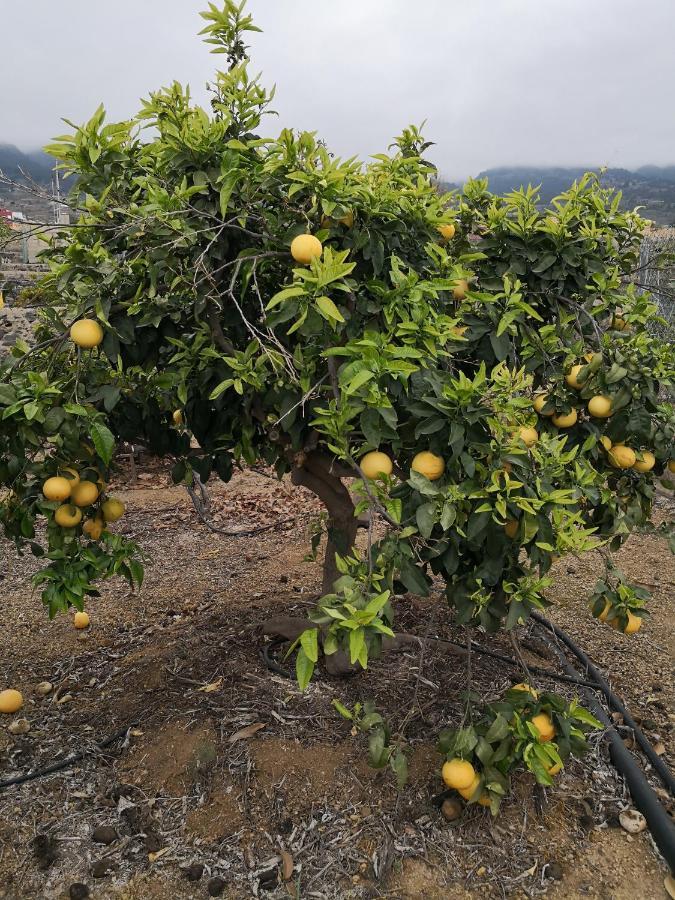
(499, 82)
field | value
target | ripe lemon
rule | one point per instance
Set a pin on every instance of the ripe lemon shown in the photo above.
(565, 420)
(605, 612)
(671, 465)
(81, 620)
(86, 333)
(605, 441)
(376, 463)
(11, 701)
(429, 465)
(68, 516)
(539, 403)
(84, 494)
(525, 687)
(93, 528)
(458, 774)
(554, 769)
(621, 457)
(469, 791)
(305, 247)
(56, 488)
(634, 624)
(112, 510)
(619, 323)
(572, 377)
(600, 407)
(484, 799)
(511, 528)
(528, 435)
(647, 463)
(544, 726)
(458, 330)
(460, 289)
(177, 417)
(447, 231)
(72, 476)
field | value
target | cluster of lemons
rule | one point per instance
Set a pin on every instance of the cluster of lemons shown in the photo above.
(80, 494)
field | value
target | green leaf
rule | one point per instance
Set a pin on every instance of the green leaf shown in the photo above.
(104, 441)
(309, 640)
(344, 712)
(498, 730)
(399, 764)
(304, 669)
(357, 644)
(426, 518)
(329, 310)
(285, 294)
(414, 578)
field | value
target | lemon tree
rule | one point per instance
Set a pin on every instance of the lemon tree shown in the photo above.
(469, 377)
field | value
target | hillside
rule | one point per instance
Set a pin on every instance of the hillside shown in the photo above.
(36, 163)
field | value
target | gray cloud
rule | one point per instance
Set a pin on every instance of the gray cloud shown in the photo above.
(498, 81)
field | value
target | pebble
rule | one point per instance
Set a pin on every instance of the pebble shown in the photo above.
(193, 872)
(104, 834)
(632, 821)
(19, 726)
(554, 871)
(215, 886)
(44, 688)
(451, 809)
(78, 891)
(101, 868)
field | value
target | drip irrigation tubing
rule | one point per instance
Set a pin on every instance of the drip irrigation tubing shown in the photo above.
(615, 702)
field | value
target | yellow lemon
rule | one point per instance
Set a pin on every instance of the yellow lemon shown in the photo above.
(72, 476)
(600, 407)
(447, 231)
(375, 463)
(525, 687)
(81, 620)
(11, 701)
(458, 774)
(112, 510)
(647, 462)
(634, 624)
(86, 333)
(93, 528)
(428, 464)
(539, 403)
(84, 494)
(621, 457)
(68, 516)
(528, 435)
(458, 330)
(619, 324)
(605, 441)
(605, 612)
(305, 247)
(56, 488)
(460, 289)
(572, 377)
(565, 420)
(177, 417)
(544, 726)
(469, 791)
(554, 769)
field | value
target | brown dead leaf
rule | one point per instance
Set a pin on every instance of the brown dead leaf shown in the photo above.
(286, 865)
(659, 748)
(247, 732)
(154, 856)
(210, 688)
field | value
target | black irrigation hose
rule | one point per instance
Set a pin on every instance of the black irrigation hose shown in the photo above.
(64, 763)
(615, 702)
(659, 822)
(269, 661)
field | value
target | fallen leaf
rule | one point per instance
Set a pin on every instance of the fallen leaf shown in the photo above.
(154, 856)
(286, 865)
(247, 732)
(209, 688)
(659, 748)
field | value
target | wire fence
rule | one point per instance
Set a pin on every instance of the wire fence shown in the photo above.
(656, 274)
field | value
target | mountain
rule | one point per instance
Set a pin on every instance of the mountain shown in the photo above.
(36, 164)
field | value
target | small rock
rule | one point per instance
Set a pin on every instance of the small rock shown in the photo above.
(193, 872)
(554, 871)
(101, 868)
(215, 886)
(104, 834)
(451, 809)
(19, 726)
(44, 688)
(44, 848)
(283, 579)
(632, 821)
(78, 891)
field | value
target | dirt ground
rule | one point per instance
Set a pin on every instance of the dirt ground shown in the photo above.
(221, 776)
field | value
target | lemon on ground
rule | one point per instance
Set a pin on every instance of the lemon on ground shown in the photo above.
(605, 441)
(428, 464)
(647, 463)
(621, 457)
(93, 528)
(11, 701)
(539, 403)
(542, 722)
(177, 417)
(634, 623)
(572, 377)
(600, 407)
(68, 516)
(81, 620)
(112, 510)
(447, 231)
(458, 774)
(84, 494)
(86, 333)
(554, 769)
(565, 420)
(376, 463)
(605, 612)
(56, 488)
(528, 435)
(460, 289)
(305, 247)
(511, 528)
(525, 687)
(469, 791)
